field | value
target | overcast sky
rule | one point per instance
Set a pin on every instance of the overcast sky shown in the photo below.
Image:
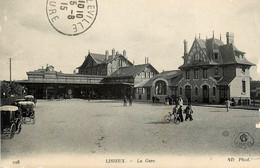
(144, 28)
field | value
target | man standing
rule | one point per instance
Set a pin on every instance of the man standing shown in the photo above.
(227, 104)
(125, 99)
(130, 100)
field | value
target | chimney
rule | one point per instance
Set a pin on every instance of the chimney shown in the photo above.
(133, 62)
(124, 53)
(147, 60)
(74, 71)
(117, 53)
(107, 54)
(230, 37)
(185, 47)
(113, 53)
(47, 65)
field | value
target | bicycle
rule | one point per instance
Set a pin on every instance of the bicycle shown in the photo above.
(175, 117)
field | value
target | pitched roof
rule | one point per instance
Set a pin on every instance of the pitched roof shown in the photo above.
(225, 81)
(228, 53)
(101, 59)
(130, 71)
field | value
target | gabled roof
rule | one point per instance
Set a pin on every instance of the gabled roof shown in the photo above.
(228, 53)
(130, 71)
(101, 59)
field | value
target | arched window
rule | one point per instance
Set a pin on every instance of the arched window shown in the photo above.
(196, 91)
(214, 91)
(160, 88)
(180, 90)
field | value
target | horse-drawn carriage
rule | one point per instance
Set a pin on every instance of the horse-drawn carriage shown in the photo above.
(30, 98)
(27, 110)
(11, 120)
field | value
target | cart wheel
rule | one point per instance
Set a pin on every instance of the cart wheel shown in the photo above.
(177, 120)
(19, 128)
(12, 131)
(167, 118)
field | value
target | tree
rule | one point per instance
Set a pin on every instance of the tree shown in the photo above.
(13, 88)
(5, 89)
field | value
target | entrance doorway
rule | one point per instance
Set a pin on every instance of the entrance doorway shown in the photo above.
(148, 93)
(188, 93)
(205, 93)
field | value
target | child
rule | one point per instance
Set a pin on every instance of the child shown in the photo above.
(188, 111)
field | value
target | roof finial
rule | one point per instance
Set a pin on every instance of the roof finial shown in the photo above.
(195, 36)
(199, 36)
(89, 51)
(220, 36)
(213, 33)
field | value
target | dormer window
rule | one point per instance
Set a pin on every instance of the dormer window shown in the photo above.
(216, 56)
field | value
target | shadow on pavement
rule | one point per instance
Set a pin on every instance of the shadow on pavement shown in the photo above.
(157, 122)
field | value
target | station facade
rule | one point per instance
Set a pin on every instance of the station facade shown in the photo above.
(212, 72)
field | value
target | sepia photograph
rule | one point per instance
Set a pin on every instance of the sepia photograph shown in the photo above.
(140, 83)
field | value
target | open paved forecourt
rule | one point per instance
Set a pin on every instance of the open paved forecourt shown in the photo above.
(106, 127)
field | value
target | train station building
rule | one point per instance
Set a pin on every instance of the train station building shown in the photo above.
(212, 72)
(100, 76)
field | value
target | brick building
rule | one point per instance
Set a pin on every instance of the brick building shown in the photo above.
(214, 71)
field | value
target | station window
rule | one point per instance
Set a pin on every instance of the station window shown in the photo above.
(180, 90)
(216, 55)
(216, 70)
(196, 74)
(205, 73)
(140, 90)
(160, 88)
(196, 91)
(243, 86)
(187, 74)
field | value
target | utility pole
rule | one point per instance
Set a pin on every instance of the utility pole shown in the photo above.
(10, 70)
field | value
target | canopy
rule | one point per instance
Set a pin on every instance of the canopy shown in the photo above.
(8, 108)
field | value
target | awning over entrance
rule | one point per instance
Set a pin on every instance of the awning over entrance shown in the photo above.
(141, 84)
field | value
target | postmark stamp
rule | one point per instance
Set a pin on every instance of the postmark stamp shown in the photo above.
(244, 140)
(71, 17)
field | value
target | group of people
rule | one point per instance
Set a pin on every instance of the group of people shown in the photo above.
(130, 99)
(187, 111)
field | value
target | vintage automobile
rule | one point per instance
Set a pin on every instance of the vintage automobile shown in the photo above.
(11, 120)
(27, 110)
(30, 98)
